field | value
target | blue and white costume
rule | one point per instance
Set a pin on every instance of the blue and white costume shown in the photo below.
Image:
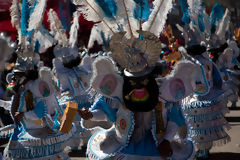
(38, 137)
(74, 86)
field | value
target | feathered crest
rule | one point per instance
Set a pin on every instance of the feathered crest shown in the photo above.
(57, 28)
(74, 30)
(134, 29)
(36, 17)
(134, 54)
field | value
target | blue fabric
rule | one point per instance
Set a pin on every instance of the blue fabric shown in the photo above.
(109, 7)
(39, 109)
(217, 78)
(186, 13)
(16, 132)
(215, 16)
(56, 124)
(234, 61)
(102, 105)
(84, 105)
(37, 47)
(142, 10)
(175, 115)
(106, 42)
(145, 147)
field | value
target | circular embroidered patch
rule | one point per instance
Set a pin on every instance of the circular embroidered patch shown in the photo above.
(44, 89)
(108, 84)
(177, 88)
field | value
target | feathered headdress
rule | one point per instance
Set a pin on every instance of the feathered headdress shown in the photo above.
(134, 29)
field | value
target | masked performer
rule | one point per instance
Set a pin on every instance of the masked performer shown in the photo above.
(36, 112)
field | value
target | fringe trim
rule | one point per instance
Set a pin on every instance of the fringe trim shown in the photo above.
(209, 124)
(214, 130)
(210, 116)
(197, 111)
(49, 140)
(41, 149)
(208, 145)
(6, 131)
(154, 128)
(60, 155)
(198, 104)
(92, 156)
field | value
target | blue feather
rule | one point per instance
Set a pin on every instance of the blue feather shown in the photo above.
(200, 19)
(25, 15)
(109, 7)
(37, 47)
(216, 15)
(185, 10)
(142, 11)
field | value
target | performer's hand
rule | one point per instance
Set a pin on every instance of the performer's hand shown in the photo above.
(86, 114)
(165, 149)
(19, 116)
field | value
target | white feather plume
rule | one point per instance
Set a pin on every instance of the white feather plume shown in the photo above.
(44, 39)
(74, 30)
(57, 28)
(158, 17)
(36, 17)
(194, 7)
(15, 18)
(92, 12)
(206, 20)
(15, 14)
(223, 25)
(96, 34)
(125, 17)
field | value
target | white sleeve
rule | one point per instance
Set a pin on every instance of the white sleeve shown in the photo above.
(99, 115)
(171, 131)
(31, 115)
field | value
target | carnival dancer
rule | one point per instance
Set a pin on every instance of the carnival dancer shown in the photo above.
(205, 112)
(36, 113)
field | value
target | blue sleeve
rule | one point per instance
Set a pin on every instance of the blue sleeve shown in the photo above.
(102, 105)
(40, 109)
(175, 115)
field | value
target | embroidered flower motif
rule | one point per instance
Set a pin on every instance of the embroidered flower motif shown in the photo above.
(123, 124)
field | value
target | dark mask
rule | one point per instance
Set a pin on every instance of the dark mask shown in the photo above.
(140, 94)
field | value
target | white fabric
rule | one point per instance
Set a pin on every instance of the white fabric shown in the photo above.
(99, 115)
(30, 115)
